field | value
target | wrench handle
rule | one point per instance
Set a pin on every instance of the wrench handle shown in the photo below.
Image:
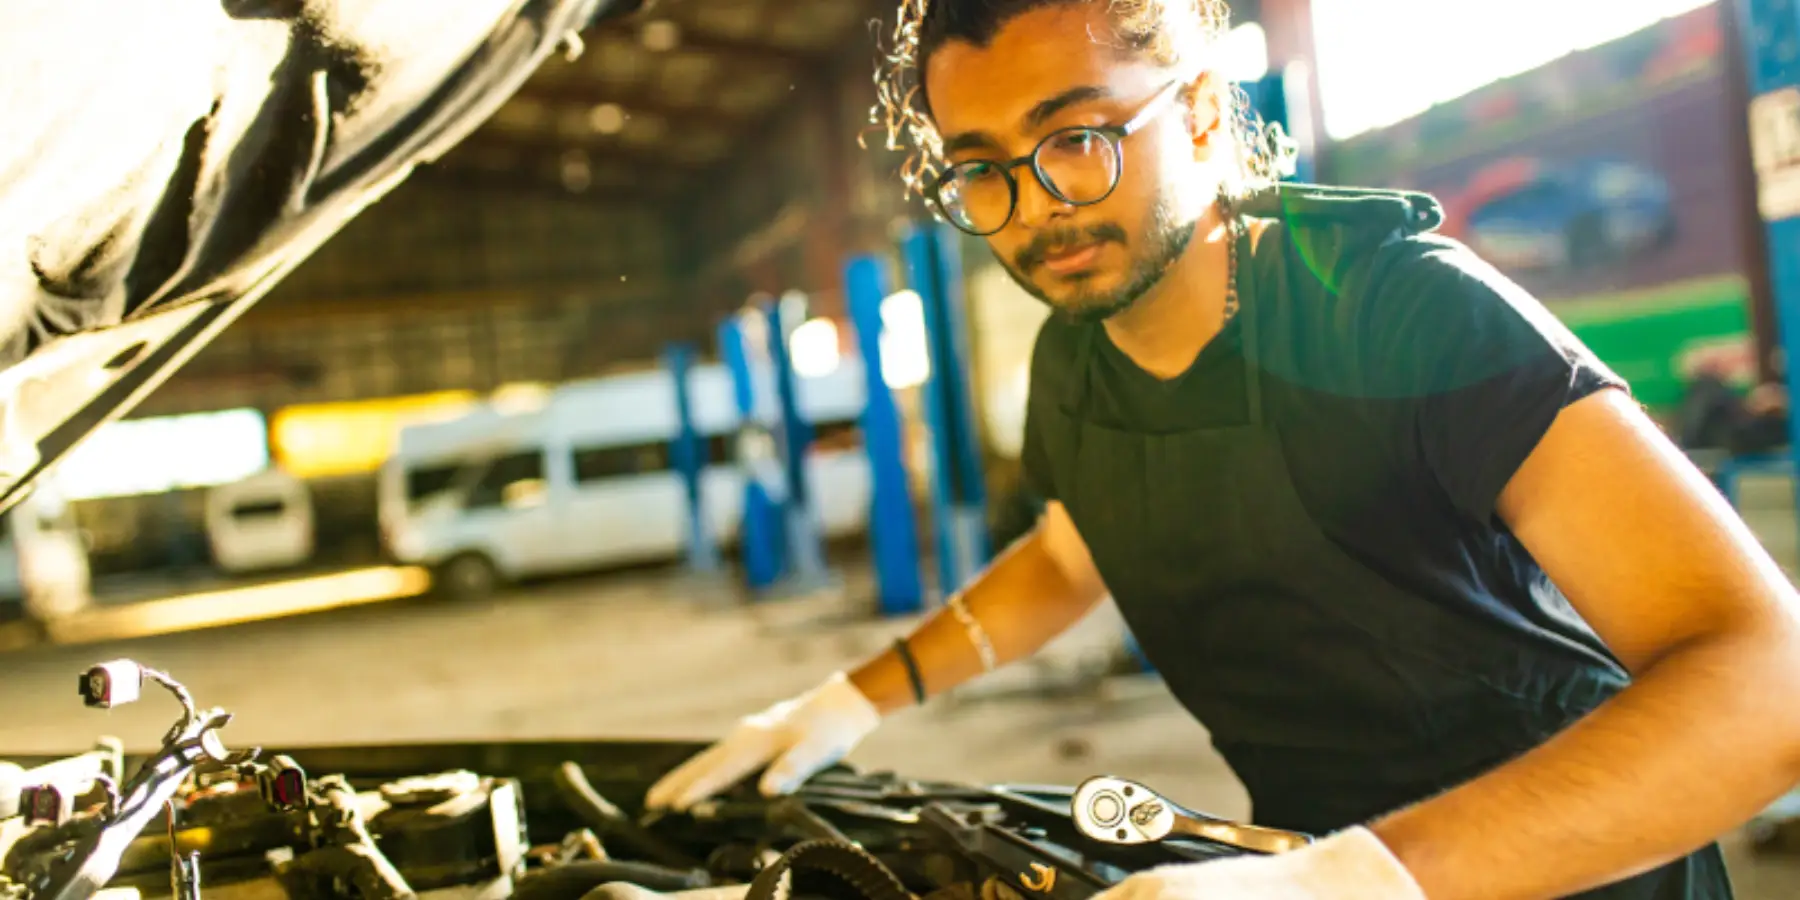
(1254, 838)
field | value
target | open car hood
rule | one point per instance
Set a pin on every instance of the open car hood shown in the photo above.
(163, 163)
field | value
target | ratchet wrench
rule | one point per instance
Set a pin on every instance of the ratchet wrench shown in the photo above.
(1117, 811)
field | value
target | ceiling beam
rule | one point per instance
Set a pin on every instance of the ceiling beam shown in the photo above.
(549, 147)
(527, 184)
(636, 100)
(730, 51)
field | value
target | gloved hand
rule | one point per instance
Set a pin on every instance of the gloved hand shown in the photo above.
(1350, 865)
(800, 737)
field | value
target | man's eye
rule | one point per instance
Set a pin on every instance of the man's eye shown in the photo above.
(1076, 140)
(978, 171)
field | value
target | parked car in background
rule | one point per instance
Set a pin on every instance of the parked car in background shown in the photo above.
(1534, 214)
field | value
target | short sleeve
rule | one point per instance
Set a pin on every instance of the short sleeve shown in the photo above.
(1488, 367)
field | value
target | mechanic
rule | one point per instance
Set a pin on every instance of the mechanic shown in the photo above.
(1439, 589)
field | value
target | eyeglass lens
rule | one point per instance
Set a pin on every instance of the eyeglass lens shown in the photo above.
(1078, 166)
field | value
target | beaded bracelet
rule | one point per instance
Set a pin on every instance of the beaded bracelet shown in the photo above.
(977, 634)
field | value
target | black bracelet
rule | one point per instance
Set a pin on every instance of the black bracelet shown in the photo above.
(912, 670)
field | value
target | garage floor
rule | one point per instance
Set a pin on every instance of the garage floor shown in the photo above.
(571, 660)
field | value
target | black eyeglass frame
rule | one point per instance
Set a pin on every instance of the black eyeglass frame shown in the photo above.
(1114, 135)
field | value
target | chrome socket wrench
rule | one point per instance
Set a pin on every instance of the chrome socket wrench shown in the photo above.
(1117, 811)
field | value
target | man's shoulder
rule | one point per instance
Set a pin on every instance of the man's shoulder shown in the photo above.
(1343, 271)
(1389, 316)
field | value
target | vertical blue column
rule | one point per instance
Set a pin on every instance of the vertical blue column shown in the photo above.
(805, 548)
(1770, 31)
(893, 532)
(688, 456)
(934, 268)
(759, 531)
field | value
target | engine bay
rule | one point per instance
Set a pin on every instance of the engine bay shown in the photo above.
(547, 821)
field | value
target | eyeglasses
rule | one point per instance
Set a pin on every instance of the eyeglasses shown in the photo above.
(1079, 166)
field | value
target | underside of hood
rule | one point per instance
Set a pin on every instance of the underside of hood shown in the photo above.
(164, 163)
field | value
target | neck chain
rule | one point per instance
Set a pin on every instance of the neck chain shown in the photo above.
(1233, 231)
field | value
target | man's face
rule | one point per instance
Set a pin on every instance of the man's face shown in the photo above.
(1050, 69)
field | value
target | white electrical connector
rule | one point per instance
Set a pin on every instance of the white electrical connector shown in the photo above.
(112, 684)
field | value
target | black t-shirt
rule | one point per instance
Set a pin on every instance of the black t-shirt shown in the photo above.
(1408, 380)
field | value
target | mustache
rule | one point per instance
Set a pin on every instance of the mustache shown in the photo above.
(1047, 242)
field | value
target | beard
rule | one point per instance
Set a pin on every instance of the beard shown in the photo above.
(1165, 238)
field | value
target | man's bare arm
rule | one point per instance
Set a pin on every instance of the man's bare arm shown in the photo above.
(1707, 734)
(1035, 590)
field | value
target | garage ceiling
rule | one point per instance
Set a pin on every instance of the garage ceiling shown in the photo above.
(661, 95)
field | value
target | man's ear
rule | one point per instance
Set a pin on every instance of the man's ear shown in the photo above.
(1205, 111)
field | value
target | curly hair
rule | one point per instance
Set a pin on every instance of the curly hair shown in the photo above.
(1168, 31)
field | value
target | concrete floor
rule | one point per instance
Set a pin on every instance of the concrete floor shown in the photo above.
(567, 660)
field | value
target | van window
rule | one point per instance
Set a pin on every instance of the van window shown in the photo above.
(601, 463)
(503, 472)
(721, 449)
(428, 480)
(837, 436)
(258, 509)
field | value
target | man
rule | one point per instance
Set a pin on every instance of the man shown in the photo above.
(1438, 588)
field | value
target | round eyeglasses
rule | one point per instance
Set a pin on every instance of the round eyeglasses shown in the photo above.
(1079, 166)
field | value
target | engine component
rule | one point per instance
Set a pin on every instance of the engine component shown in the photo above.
(574, 880)
(105, 761)
(610, 822)
(101, 839)
(239, 829)
(184, 876)
(1012, 858)
(46, 804)
(621, 890)
(349, 868)
(282, 784)
(426, 790)
(112, 684)
(344, 852)
(450, 829)
(828, 869)
(1118, 811)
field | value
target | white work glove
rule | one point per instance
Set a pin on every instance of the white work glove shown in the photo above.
(800, 737)
(1349, 865)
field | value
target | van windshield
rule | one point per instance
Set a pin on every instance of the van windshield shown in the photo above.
(427, 481)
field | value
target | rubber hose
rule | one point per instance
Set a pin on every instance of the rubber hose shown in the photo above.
(620, 890)
(610, 822)
(573, 880)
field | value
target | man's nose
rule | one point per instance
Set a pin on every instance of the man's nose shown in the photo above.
(1036, 205)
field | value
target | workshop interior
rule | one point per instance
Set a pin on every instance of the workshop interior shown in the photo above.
(425, 425)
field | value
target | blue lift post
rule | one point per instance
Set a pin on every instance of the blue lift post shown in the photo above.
(688, 455)
(1769, 33)
(805, 546)
(1768, 40)
(934, 268)
(759, 534)
(893, 532)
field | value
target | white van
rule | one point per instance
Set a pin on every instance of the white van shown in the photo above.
(43, 559)
(585, 481)
(262, 522)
